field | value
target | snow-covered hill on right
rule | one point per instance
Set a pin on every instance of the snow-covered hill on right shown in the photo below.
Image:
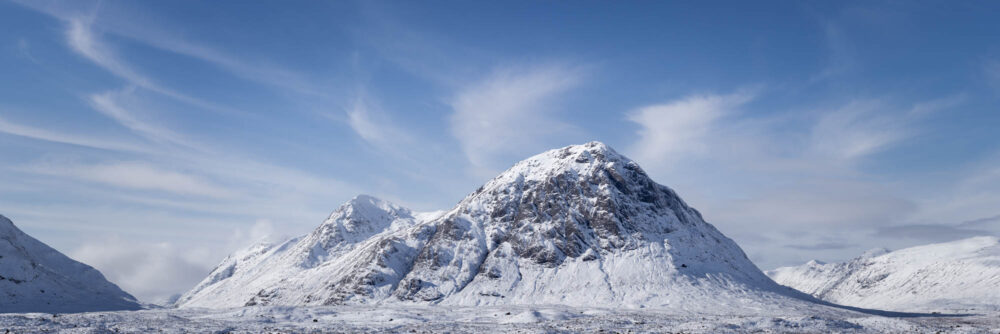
(962, 275)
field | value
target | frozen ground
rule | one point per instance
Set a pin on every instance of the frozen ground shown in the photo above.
(493, 319)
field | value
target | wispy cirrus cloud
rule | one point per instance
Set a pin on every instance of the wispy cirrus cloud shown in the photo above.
(166, 172)
(369, 122)
(865, 127)
(24, 50)
(135, 175)
(841, 54)
(924, 108)
(967, 198)
(62, 137)
(855, 130)
(715, 126)
(991, 70)
(669, 130)
(117, 106)
(83, 35)
(261, 72)
(752, 175)
(509, 112)
(83, 40)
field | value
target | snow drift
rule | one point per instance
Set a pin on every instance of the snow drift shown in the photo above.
(36, 278)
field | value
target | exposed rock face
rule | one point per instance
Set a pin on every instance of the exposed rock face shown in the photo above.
(36, 278)
(961, 275)
(579, 225)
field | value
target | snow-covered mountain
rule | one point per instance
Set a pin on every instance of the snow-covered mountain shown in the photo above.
(580, 225)
(36, 278)
(300, 264)
(957, 275)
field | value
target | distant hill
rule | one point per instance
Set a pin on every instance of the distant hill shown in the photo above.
(957, 275)
(36, 278)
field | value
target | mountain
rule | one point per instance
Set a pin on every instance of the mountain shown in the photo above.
(580, 225)
(303, 263)
(957, 275)
(36, 278)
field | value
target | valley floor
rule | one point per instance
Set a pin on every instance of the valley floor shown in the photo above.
(493, 319)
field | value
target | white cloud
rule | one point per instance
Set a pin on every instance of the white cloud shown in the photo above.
(122, 107)
(110, 104)
(366, 119)
(136, 175)
(507, 114)
(256, 71)
(65, 138)
(263, 230)
(992, 72)
(932, 106)
(158, 271)
(840, 53)
(82, 39)
(858, 129)
(360, 121)
(972, 194)
(152, 272)
(681, 127)
(771, 176)
(24, 50)
(81, 17)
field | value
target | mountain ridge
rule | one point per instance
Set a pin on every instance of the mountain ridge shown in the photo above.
(577, 225)
(37, 278)
(960, 275)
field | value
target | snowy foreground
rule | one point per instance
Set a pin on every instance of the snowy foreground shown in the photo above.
(493, 319)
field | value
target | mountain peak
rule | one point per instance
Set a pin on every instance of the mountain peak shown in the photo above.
(575, 160)
(589, 153)
(582, 188)
(815, 263)
(367, 207)
(363, 216)
(5, 225)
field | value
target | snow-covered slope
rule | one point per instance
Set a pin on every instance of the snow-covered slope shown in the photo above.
(957, 275)
(581, 225)
(36, 278)
(302, 264)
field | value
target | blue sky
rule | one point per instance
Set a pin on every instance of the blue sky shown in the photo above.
(150, 139)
